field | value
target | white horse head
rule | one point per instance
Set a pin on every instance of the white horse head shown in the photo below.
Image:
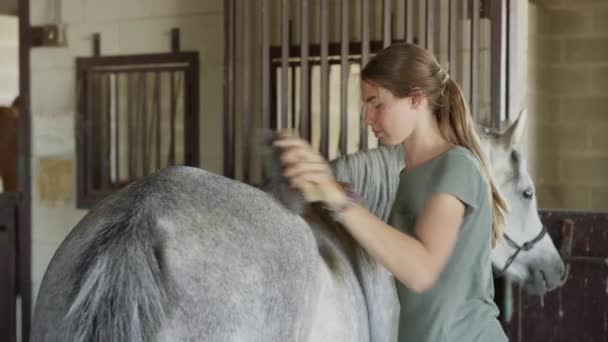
(526, 254)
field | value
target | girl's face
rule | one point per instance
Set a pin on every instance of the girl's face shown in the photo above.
(391, 119)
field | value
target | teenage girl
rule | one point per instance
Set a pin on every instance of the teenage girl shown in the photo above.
(447, 212)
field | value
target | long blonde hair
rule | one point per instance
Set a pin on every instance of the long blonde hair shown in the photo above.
(403, 68)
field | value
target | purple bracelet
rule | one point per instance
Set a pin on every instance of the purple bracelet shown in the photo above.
(352, 198)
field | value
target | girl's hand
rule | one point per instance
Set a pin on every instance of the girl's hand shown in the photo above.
(308, 171)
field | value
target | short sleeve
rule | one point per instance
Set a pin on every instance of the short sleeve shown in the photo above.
(460, 175)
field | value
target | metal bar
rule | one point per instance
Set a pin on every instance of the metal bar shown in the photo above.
(265, 21)
(344, 73)
(8, 262)
(105, 129)
(181, 59)
(130, 116)
(363, 131)
(196, 114)
(175, 40)
(386, 23)
(117, 125)
(136, 122)
(173, 114)
(96, 44)
(429, 31)
(246, 97)
(497, 15)
(284, 63)
(324, 79)
(452, 39)
(229, 84)
(409, 20)
(24, 240)
(158, 120)
(513, 50)
(474, 89)
(304, 74)
(191, 91)
(146, 137)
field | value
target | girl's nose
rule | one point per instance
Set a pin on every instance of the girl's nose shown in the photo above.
(368, 117)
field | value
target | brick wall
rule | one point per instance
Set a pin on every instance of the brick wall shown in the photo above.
(569, 102)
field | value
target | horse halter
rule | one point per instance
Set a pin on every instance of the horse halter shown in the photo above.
(528, 245)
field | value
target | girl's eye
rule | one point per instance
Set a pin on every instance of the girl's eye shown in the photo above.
(378, 105)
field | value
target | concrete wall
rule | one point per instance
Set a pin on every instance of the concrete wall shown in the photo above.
(568, 96)
(9, 59)
(132, 27)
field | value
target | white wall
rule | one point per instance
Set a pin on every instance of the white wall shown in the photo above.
(9, 59)
(131, 27)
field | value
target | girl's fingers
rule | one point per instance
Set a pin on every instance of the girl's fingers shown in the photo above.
(315, 177)
(290, 142)
(300, 168)
(298, 154)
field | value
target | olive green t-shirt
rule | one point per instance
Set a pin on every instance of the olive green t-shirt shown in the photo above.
(459, 307)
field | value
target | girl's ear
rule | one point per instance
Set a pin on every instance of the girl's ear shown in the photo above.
(416, 98)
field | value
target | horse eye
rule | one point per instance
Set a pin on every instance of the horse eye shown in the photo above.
(528, 194)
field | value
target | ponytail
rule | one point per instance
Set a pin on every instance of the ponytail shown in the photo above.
(456, 126)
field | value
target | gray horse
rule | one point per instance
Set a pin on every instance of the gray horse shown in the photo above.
(189, 255)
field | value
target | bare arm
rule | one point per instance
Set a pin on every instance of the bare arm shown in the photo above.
(415, 262)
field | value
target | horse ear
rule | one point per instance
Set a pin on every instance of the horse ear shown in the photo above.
(514, 134)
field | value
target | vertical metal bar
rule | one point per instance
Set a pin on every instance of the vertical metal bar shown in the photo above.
(497, 13)
(117, 125)
(344, 73)
(429, 29)
(474, 90)
(158, 120)
(513, 50)
(229, 84)
(191, 113)
(363, 131)
(452, 39)
(143, 124)
(106, 135)
(173, 115)
(304, 73)
(265, 21)
(284, 63)
(386, 23)
(246, 62)
(136, 126)
(408, 19)
(8, 262)
(130, 117)
(324, 79)
(24, 208)
(92, 114)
